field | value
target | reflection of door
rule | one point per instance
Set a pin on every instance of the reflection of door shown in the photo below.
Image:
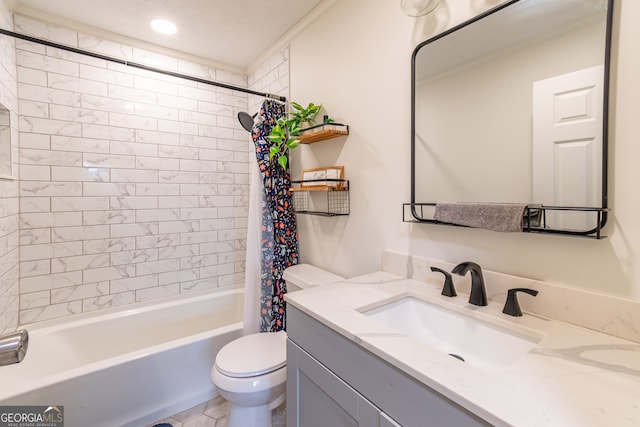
(567, 145)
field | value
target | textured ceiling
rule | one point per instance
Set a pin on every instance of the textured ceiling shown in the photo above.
(232, 32)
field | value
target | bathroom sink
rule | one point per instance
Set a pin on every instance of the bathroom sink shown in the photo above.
(476, 342)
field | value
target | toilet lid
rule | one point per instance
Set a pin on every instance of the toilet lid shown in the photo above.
(252, 355)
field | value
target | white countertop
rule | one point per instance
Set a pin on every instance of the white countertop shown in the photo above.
(573, 377)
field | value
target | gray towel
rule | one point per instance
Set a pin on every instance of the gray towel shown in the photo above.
(505, 217)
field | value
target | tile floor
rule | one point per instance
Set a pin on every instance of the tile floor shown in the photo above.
(213, 414)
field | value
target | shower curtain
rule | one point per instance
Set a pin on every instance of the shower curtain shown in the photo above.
(272, 240)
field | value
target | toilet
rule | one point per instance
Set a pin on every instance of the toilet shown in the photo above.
(251, 372)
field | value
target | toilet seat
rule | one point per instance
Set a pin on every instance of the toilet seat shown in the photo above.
(253, 355)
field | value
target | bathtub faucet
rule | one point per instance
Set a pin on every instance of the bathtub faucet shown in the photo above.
(13, 347)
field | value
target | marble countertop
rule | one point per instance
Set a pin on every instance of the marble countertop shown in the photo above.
(572, 377)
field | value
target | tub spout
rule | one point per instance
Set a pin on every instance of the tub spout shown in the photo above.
(13, 347)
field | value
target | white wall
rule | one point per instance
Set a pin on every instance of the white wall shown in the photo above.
(9, 188)
(356, 60)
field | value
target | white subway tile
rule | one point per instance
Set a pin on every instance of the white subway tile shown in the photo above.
(178, 202)
(132, 122)
(35, 236)
(45, 63)
(50, 250)
(198, 141)
(108, 189)
(122, 216)
(178, 177)
(134, 283)
(49, 158)
(157, 163)
(133, 175)
(198, 213)
(34, 299)
(134, 256)
(83, 262)
(108, 301)
(108, 273)
(109, 245)
(50, 219)
(35, 141)
(34, 268)
(35, 173)
(160, 241)
(34, 109)
(69, 234)
(108, 161)
(134, 202)
(132, 230)
(83, 145)
(152, 84)
(107, 132)
(165, 100)
(72, 83)
(151, 215)
(178, 276)
(54, 96)
(80, 292)
(206, 284)
(142, 189)
(66, 204)
(49, 312)
(105, 47)
(49, 126)
(77, 114)
(88, 174)
(47, 31)
(153, 267)
(101, 74)
(177, 152)
(157, 292)
(50, 281)
(133, 148)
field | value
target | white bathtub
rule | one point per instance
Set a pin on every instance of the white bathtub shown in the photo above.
(125, 367)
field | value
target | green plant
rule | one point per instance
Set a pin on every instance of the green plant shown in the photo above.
(284, 134)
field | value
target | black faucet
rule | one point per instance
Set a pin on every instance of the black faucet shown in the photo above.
(448, 290)
(511, 306)
(478, 295)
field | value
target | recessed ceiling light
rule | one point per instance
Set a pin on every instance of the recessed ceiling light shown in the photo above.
(163, 26)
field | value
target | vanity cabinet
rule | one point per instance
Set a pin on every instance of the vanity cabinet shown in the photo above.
(332, 381)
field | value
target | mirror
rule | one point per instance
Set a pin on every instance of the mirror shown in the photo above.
(511, 107)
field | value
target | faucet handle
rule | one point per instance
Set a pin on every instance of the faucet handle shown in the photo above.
(511, 306)
(448, 289)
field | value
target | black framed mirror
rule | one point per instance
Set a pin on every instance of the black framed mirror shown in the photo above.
(512, 107)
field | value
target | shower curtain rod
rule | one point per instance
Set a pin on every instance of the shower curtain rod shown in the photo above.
(138, 65)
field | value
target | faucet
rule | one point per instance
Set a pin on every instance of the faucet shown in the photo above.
(478, 295)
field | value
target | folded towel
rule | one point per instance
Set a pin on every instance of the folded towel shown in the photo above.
(505, 217)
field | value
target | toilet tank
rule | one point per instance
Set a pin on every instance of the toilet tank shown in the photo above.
(303, 276)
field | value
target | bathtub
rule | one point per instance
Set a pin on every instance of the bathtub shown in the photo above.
(125, 367)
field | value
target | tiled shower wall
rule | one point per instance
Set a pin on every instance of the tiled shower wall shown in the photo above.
(133, 185)
(8, 188)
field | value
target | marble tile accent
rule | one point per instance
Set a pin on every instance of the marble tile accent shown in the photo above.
(600, 312)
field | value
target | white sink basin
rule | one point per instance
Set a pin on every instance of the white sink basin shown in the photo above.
(476, 342)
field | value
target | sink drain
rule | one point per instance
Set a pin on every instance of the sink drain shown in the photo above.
(457, 356)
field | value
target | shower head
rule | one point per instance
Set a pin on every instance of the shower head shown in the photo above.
(246, 120)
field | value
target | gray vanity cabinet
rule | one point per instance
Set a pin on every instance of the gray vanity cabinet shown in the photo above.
(322, 399)
(332, 381)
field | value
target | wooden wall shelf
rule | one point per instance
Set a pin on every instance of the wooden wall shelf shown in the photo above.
(323, 132)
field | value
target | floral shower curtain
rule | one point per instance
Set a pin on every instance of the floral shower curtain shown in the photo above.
(279, 240)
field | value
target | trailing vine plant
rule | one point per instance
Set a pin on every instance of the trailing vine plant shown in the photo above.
(284, 134)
